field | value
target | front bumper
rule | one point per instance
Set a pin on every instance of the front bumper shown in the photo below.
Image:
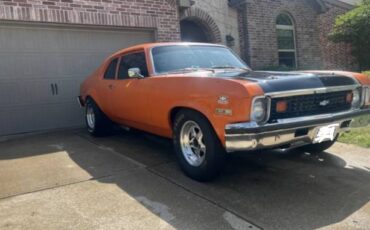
(292, 132)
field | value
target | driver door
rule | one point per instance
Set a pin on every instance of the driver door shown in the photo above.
(130, 96)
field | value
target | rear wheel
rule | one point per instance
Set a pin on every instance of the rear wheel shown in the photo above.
(198, 149)
(97, 123)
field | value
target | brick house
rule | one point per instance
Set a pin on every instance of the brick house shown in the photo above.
(270, 33)
(47, 47)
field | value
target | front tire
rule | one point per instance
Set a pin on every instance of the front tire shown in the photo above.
(97, 123)
(198, 149)
(318, 148)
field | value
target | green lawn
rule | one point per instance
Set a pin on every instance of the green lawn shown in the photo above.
(360, 133)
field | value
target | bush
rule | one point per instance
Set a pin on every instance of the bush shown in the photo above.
(354, 28)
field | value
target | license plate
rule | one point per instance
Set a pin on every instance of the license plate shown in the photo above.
(326, 133)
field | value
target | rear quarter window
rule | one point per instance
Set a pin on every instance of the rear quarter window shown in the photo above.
(110, 72)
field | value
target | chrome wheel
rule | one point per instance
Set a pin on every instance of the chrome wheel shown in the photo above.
(192, 143)
(90, 117)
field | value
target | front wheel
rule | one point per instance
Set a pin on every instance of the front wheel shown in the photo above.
(198, 149)
(317, 148)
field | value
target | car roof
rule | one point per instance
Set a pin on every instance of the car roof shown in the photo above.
(156, 44)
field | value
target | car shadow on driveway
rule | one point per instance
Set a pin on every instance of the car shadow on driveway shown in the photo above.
(270, 189)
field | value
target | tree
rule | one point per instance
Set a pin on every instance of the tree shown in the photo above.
(354, 28)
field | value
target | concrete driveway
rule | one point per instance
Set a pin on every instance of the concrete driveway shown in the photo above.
(69, 180)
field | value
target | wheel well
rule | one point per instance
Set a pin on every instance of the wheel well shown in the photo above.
(176, 110)
(88, 97)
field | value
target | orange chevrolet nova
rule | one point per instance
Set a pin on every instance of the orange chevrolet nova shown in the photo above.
(211, 103)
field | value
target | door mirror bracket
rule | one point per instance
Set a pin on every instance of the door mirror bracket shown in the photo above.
(135, 73)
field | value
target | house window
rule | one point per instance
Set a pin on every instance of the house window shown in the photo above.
(286, 41)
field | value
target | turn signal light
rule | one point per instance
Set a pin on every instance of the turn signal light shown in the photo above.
(366, 93)
(349, 97)
(281, 106)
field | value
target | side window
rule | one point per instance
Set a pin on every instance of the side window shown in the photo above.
(134, 60)
(110, 73)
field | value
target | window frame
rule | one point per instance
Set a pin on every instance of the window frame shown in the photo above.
(288, 28)
(129, 53)
(155, 73)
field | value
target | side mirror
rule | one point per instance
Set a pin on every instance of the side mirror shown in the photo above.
(135, 73)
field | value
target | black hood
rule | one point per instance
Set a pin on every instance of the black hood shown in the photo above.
(283, 81)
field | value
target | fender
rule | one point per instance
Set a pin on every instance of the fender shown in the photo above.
(207, 107)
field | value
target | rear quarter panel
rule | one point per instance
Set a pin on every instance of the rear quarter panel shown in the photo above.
(92, 85)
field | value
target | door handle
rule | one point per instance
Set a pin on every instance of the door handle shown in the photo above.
(52, 89)
(110, 86)
(56, 89)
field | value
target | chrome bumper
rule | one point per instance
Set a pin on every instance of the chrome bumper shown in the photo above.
(293, 131)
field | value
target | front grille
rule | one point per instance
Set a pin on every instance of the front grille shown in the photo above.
(308, 105)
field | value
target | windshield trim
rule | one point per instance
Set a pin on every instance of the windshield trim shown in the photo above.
(155, 73)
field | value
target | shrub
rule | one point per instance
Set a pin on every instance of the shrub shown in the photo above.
(354, 28)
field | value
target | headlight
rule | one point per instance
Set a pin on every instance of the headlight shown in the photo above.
(259, 109)
(356, 98)
(366, 95)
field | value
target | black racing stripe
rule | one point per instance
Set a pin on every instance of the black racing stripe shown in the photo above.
(285, 81)
(290, 83)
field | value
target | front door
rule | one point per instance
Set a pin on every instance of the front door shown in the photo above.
(130, 95)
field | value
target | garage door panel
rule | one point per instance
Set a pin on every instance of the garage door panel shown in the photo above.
(68, 89)
(23, 92)
(34, 57)
(8, 93)
(22, 119)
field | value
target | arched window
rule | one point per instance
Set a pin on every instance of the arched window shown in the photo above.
(286, 41)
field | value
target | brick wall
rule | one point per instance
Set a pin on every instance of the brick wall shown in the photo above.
(225, 17)
(261, 17)
(334, 55)
(161, 15)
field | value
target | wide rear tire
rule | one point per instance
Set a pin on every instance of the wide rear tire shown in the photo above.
(97, 123)
(198, 149)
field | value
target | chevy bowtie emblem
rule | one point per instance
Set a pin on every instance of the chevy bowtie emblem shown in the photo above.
(324, 102)
(223, 100)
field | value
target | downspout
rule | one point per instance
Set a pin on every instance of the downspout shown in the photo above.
(241, 6)
(246, 50)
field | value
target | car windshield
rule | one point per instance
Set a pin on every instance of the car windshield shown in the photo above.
(194, 57)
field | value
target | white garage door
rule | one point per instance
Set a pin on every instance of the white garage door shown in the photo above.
(41, 68)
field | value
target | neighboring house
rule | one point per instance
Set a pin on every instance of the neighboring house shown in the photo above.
(47, 47)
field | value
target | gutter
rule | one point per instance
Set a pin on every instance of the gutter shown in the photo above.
(241, 7)
(341, 4)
